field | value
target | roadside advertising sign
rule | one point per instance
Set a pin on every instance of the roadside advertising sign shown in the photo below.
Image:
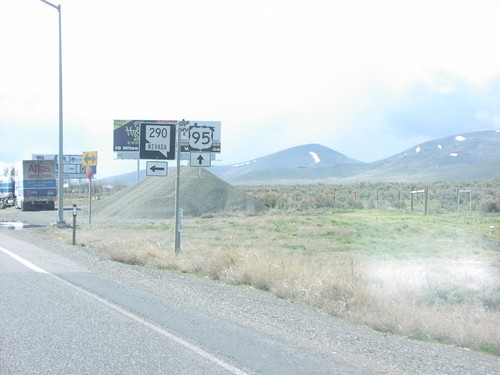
(126, 135)
(72, 164)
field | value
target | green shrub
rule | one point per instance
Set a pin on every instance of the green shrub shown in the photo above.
(491, 206)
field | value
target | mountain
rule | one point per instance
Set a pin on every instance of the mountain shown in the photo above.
(304, 162)
(306, 156)
(459, 157)
(470, 156)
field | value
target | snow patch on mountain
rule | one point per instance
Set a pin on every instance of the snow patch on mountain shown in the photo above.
(315, 157)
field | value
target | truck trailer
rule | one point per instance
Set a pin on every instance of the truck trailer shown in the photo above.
(7, 195)
(35, 185)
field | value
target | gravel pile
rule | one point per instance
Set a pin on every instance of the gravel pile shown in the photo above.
(154, 198)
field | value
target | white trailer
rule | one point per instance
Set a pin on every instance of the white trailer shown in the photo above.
(35, 184)
(7, 197)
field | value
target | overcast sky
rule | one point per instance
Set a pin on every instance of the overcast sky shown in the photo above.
(366, 78)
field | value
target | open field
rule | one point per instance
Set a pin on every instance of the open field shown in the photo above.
(427, 269)
(434, 277)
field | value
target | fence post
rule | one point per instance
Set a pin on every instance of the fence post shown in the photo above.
(426, 195)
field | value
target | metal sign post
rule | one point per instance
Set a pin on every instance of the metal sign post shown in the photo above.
(89, 161)
(177, 234)
(90, 174)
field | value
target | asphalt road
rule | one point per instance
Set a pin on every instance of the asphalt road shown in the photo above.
(60, 318)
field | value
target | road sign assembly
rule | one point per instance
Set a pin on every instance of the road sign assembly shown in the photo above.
(156, 140)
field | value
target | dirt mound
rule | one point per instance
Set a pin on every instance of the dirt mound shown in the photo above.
(154, 197)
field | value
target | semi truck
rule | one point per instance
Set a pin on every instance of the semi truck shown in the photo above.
(35, 185)
(7, 197)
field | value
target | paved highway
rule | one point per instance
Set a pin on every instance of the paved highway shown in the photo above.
(60, 318)
(66, 310)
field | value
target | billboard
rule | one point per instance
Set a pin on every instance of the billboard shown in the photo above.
(126, 135)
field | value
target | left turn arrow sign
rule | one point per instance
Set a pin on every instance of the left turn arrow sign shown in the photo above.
(156, 168)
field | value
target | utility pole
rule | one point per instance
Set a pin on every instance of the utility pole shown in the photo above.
(60, 188)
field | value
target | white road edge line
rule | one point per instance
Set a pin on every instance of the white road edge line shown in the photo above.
(28, 264)
(195, 349)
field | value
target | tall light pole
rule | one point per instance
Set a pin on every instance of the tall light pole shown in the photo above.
(60, 189)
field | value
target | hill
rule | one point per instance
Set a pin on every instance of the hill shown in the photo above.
(154, 197)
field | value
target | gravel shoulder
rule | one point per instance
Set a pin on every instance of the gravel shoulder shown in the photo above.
(371, 351)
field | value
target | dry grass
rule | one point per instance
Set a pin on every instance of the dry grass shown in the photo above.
(447, 300)
(425, 277)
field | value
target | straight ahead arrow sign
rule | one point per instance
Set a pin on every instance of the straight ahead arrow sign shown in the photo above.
(200, 159)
